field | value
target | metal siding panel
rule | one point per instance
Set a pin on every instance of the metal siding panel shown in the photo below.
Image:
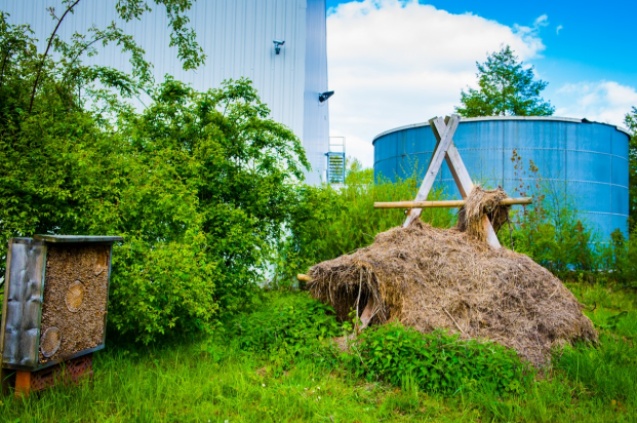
(619, 171)
(23, 303)
(494, 171)
(593, 137)
(619, 201)
(385, 165)
(316, 114)
(587, 166)
(425, 142)
(618, 144)
(237, 36)
(414, 142)
(592, 197)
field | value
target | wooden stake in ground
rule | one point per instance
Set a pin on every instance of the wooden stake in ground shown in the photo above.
(444, 130)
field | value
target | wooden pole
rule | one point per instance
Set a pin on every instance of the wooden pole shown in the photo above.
(445, 139)
(303, 278)
(441, 203)
(22, 383)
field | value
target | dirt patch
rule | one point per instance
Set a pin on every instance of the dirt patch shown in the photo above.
(75, 299)
(432, 278)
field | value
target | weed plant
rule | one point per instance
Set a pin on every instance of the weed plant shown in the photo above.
(438, 363)
(608, 371)
(291, 326)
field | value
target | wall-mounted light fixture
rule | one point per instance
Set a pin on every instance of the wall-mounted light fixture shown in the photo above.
(325, 95)
(277, 45)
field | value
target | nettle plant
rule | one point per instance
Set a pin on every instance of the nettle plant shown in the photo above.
(438, 362)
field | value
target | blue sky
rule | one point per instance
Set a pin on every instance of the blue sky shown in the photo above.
(400, 62)
(583, 38)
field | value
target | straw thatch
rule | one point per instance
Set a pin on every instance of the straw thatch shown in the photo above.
(479, 203)
(432, 278)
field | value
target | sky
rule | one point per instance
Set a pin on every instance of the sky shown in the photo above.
(393, 63)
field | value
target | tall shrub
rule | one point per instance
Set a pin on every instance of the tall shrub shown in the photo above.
(327, 222)
(198, 184)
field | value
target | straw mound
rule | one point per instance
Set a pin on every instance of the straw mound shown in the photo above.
(432, 278)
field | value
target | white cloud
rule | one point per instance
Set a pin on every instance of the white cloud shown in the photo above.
(558, 29)
(601, 101)
(394, 63)
(530, 34)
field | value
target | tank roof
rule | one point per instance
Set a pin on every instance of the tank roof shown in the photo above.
(507, 118)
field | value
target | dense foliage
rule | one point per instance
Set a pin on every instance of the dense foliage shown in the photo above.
(507, 88)
(327, 222)
(552, 233)
(205, 207)
(437, 362)
(287, 327)
(198, 184)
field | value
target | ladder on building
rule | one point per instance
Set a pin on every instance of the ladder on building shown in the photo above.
(336, 162)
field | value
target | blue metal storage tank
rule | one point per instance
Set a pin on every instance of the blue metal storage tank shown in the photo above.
(588, 161)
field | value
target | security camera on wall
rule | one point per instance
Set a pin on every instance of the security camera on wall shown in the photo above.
(277, 45)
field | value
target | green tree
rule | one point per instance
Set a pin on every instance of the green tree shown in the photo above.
(507, 88)
(199, 184)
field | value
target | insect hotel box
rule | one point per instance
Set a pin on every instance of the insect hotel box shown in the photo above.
(55, 300)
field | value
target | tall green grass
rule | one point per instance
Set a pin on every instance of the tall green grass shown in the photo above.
(278, 364)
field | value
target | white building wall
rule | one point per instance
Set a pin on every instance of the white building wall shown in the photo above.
(316, 114)
(237, 37)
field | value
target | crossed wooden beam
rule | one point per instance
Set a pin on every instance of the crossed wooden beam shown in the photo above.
(445, 150)
(444, 130)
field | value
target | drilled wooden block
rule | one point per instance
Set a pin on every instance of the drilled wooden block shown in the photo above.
(75, 300)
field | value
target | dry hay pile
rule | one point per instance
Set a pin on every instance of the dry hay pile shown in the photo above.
(432, 278)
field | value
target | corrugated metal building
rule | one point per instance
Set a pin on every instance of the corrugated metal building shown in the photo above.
(238, 38)
(585, 161)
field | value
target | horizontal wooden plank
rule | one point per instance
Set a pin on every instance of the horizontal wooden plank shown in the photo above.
(443, 203)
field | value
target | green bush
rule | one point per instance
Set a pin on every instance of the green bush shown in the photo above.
(622, 259)
(287, 324)
(550, 230)
(163, 289)
(437, 362)
(199, 184)
(327, 222)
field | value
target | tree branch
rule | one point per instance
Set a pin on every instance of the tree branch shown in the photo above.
(46, 52)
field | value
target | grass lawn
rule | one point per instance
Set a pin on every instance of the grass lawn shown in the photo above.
(247, 372)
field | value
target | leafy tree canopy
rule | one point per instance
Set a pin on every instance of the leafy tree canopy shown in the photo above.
(199, 184)
(507, 88)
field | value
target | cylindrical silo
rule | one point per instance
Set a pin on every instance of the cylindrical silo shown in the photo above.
(586, 161)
